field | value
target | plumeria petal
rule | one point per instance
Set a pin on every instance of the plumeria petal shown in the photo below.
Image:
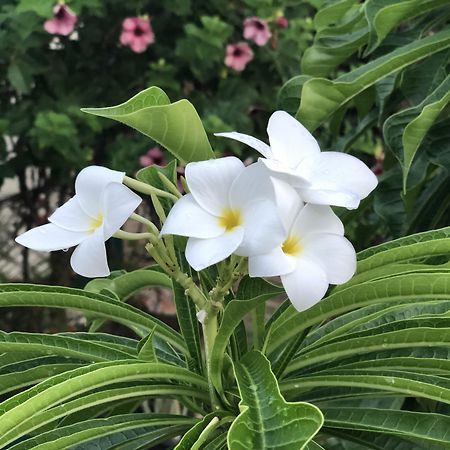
(89, 258)
(90, 182)
(288, 202)
(119, 202)
(317, 219)
(50, 237)
(263, 229)
(210, 181)
(71, 216)
(271, 264)
(251, 141)
(188, 218)
(279, 170)
(335, 254)
(289, 140)
(251, 185)
(338, 172)
(306, 285)
(202, 253)
(345, 199)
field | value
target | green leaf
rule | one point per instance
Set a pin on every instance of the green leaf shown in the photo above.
(234, 312)
(433, 361)
(266, 420)
(426, 426)
(321, 97)
(101, 433)
(176, 126)
(31, 371)
(392, 270)
(189, 325)
(19, 77)
(380, 441)
(401, 382)
(191, 436)
(42, 344)
(334, 45)
(94, 304)
(412, 287)
(290, 93)
(384, 15)
(100, 402)
(333, 12)
(370, 317)
(405, 131)
(42, 8)
(127, 284)
(20, 414)
(369, 341)
(124, 286)
(409, 248)
(146, 349)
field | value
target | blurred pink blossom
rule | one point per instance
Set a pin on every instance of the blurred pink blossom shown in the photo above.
(63, 22)
(257, 30)
(282, 22)
(137, 33)
(238, 56)
(153, 156)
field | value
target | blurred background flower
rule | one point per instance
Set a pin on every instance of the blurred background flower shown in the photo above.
(153, 156)
(137, 33)
(238, 56)
(63, 21)
(257, 30)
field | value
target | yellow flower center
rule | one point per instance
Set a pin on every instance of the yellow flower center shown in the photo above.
(291, 246)
(230, 219)
(96, 222)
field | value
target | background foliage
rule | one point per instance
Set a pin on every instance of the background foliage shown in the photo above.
(42, 90)
(376, 80)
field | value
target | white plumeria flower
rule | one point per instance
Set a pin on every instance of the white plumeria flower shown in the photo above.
(230, 209)
(322, 178)
(100, 206)
(314, 252)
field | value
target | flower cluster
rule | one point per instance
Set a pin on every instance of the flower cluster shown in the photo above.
(239, 54)
(137, 32)
(276, 211)
(100, 206)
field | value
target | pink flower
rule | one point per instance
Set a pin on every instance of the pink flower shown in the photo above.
(282, 22)
(63, 22)
(238, 56)
(153, 156)
(257, 30)
(137, 33)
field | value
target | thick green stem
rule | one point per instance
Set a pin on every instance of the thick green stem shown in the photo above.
(210, 327)
(145, 188)
(127, 236)
(191, 288)
(151, 226)
(169, 185)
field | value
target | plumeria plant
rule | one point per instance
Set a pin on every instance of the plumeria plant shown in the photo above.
(362, 363)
